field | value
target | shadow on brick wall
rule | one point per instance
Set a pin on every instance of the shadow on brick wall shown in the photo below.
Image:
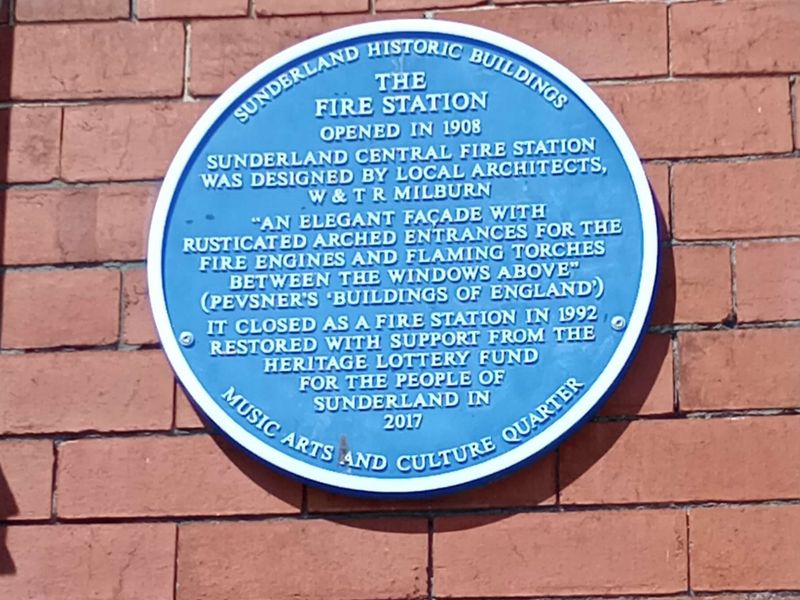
(641, 376)
(8, 506)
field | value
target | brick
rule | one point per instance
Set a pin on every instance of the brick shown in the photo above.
(724, 200)
(646, 388)
(118, 142)
(224, 50)
(560, 554)
(536, 1)
(750, 548)
(752, 36)
(768, 281)
(188, 475)
(796, 123)
(707, 460)
(72, 225)
(658, 176)
(533, 485)
(391, 558)
(74, 10)
(85, 391)
(599, 41)
(97, 60)
(45, 309)
(310, 7)
(26, 476)
(186, 416)
(137, 319)
(701, 596)
(34, 138)
(159, 9)
(75, 562)
(389, 5)
(695, 285)
(703, 117)
(740, 369)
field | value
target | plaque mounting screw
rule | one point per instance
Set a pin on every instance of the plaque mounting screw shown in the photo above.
(618, 323)
(186, 338)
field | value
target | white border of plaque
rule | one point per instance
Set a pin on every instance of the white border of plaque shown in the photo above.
(418, 485)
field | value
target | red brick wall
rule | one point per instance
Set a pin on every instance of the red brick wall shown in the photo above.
(687, 484)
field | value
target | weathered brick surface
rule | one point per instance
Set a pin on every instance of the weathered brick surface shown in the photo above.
(137, 317)
(26, 476)
(750, 36)
(724, 200)
(163, 476)
(532, 1)
(73, 225)
(85, 391)
(74, 10)
(75, 562)
(33, 136)
(596, 41)
(159, 9)
(647, 386)
(695, 285)
(768, 280)
(560, 554)
(100, 60)
(531, 486)
(44, 309)
(117, 142)
(796, 121)
(393, 5)
(348, 561)
(707, 460)
(310, 7)
(752, 548)
(752, 368)
(223, 51)
(96, 107)
(704, 117)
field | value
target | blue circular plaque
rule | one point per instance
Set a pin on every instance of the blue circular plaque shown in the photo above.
(403, 257)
